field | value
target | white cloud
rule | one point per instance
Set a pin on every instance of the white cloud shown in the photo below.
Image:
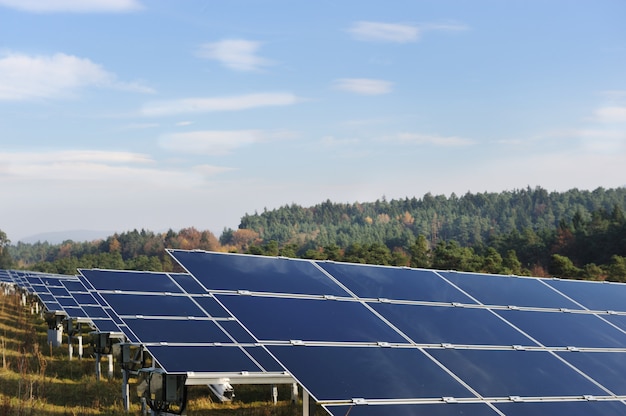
(232, 103)
(425, 139)
(24, 77)
(104, 167)
(610, 115)
(74, 6)
(216, 142)
(384, 32)
(398, 32)
(237, 54)
(364, 86)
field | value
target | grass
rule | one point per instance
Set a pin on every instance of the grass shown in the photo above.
(36, 379)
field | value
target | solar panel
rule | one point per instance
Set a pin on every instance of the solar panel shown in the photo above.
(184, 331)
(373, 340)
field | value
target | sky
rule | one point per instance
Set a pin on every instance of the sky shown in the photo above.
(156, 114)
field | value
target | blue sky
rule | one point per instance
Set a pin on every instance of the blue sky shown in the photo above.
(123, 114)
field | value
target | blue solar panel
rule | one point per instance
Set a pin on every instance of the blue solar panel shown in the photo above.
(152, 305)
(607, 368)
(563, 329)
(220, 271)
(340, 373)
(220, 359)
(509, 290)
(504, 373)
(176, 330)
(428, 324)
(601, 296)
(309, 319)
(368, 281)
(140, 281)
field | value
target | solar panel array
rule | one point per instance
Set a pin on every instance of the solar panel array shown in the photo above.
(370, 340)
(374, 340)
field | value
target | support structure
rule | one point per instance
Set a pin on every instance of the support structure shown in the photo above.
(55, 328)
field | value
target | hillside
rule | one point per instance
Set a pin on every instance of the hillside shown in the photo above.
(573, 234)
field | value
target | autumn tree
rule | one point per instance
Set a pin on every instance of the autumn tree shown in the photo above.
(6, 262)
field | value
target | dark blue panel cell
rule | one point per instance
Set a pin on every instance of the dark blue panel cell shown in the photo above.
(59, 291)
(340, 373)
(503, 373)
(237, 332)
(212, 307)
(40, 289)
(74, 312)
(176, 330)
(443, 409)
(67, 302)
(284, 319)
(105, 325)
(599, 296)
(368, 281)
(264, 359)
(188, 283)
(152, 305)
(53, 306)
(130, 281)
(44, 297)
(220, 271)
(74, 286)
(607, 368)
(452, 325)
(84, 299)
(95, 312)
(176, 359)
(563, 329)
(580, 408)
(509, 290)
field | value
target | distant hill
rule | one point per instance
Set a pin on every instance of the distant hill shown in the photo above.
(58, 237)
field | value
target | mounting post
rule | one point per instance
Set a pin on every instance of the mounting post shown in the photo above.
(125, 390)
(308, 405)
(110, 372)
(294, 392)
(97, 366)
(274, 394)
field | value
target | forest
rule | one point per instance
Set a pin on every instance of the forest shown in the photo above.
(573, 234)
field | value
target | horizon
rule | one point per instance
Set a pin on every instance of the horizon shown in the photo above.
(154, 115)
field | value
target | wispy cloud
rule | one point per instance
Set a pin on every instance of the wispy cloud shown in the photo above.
(217, 142)
(610, 115)
(364, 86)
(398, 32)
(384, 32)
(209, 104)
(237, 54)
(426, 139)
(25, 77)
(79, 166)
(73, 6)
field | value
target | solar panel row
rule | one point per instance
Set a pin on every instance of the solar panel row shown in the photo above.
(374, 340)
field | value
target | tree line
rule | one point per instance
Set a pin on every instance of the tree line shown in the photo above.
(574, 234)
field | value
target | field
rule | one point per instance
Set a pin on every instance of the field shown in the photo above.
(36, 379)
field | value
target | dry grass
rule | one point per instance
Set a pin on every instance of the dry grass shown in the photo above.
(36, 379)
